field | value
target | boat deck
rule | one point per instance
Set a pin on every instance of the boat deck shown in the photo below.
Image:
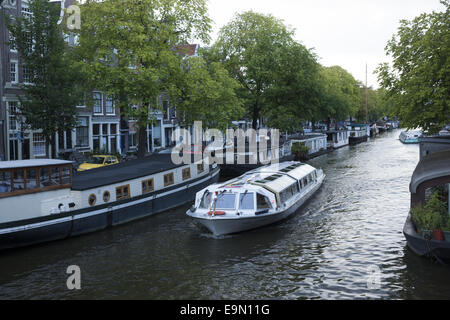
(133, 169)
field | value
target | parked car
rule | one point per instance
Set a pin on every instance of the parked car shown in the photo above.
(98, 161)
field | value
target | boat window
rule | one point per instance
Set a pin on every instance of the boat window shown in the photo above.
(168, 179)
(200, 168)
(147, 186)
(5, 181)
(92, 199)
(55, 176)
(31, 179)
(226, 201)
(206, 200)
(123, 192)
(186, 173)
(262, 202)
(18, 180)
(65, 175)
(106, 196)
(246, 201)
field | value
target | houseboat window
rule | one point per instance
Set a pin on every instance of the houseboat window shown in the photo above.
(18, 180)
(92, 199)
(45, 177)
(55, 176)
(186, 173)
(147, 186)
(200, 168)
(65, 176)
(246, 201)
(206, 200)
(123, 192)
(226, 201)
(262, 202)
(31, 179)
(106, 196)
(5, 181)
(168, 179)
(442, 191)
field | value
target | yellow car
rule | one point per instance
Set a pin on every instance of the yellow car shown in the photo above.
(98, 161)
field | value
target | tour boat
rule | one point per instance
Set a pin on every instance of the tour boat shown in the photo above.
(410, 136)
(43, 200)
(431, 174)
(260, 197)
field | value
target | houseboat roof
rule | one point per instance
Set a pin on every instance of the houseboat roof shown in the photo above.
(32, 163)
(124, 171)
(432, 166)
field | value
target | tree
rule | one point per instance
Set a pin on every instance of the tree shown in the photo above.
(341, 95)
(418, 80)
(53, 86)
(207, 93)
(295, 94)
(128, 48)
(251, 47)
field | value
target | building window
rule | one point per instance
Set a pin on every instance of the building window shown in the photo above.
(26, 12)
(123, 192)
(82, 132)
(200, 168)
(147, 186)
(38, 145)
(168, 179)
(186, 173)
(166, 109)
(27, 74)
(12, 115)
(132, 142)
(12, 43)
(98, 103)
(109, 105)
(13, 72)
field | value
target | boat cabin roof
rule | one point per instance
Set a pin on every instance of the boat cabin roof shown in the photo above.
(32, 163)
(276, 177)
(432, 166)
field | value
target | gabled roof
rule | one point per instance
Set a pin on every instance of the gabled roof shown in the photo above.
(188, 49)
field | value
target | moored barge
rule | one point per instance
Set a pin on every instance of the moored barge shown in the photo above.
(42, 200)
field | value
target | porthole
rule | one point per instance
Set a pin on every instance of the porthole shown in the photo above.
(106, 196)
(92, 199)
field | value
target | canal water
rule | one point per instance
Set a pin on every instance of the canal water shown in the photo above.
(345, 243)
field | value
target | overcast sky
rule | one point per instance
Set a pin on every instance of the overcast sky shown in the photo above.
(348, 33)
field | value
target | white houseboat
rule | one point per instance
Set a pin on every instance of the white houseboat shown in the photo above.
(337, 138)
(358, 133)
(41, 200)
(260, 197)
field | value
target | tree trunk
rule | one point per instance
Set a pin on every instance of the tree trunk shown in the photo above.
(255, 116)
(142, 142)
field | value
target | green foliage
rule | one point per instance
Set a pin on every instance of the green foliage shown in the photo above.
(128, 48)
(276, 73)
(49, 101)
(299, 147)
(207, 93)
(418, 80)
(433, 215)
(341, 94)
